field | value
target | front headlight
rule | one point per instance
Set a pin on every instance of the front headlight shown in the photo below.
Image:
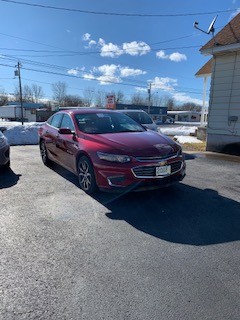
(3, 142)
(113, 157)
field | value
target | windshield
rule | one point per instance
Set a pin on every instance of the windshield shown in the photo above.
(140, 117)
(106, 122)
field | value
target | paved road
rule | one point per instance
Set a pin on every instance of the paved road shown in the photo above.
(170, 254)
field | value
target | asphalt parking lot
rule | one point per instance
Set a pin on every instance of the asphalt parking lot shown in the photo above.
(166, 254)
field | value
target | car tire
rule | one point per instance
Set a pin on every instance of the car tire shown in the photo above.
(44, 153)
(86, 175)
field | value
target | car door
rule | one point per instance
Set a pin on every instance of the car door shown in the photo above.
(51, 135)
(67, 145)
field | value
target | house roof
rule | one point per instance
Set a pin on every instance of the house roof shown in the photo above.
(230, 34)
(205, 70)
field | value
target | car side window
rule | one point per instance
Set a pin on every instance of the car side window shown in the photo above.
(56, 120)
(67, 122)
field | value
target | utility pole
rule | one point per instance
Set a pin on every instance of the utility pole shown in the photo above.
(149, 97)
(17, 73)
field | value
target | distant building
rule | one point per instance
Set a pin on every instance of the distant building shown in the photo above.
(185, 116)
(12, 111)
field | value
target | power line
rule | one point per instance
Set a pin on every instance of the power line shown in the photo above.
(115, 13)
(95, 79)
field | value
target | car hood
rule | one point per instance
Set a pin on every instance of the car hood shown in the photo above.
(135, 143)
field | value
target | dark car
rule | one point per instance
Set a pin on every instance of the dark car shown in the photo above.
(4, 150)
(110, 151)
(141, 117)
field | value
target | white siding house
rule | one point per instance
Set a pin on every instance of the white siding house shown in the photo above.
(223, 129)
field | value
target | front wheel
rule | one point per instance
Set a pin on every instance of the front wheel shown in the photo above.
(86, 176)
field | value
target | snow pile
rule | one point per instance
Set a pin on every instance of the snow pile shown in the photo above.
(186, 139)
(18, 134)
(178, 130)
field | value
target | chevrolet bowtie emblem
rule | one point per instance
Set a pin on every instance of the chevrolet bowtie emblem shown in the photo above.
(163, 163)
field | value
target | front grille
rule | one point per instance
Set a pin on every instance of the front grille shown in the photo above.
(147, 171)
(157, 158)
(150, 171)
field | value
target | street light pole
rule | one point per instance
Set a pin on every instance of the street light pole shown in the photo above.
(149, 97)
(17, 73)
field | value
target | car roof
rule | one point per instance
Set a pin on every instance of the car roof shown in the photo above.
(83, 110)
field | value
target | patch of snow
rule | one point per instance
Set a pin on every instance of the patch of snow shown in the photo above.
(18, 134)
(178, 130)
(186, 139)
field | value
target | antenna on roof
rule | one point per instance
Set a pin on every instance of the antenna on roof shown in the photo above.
(210, 28)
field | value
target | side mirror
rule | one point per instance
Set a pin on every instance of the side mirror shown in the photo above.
(65, 131)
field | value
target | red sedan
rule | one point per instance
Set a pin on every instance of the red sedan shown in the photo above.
(108, 150)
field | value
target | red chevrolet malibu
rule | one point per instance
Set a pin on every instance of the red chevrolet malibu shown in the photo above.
(108, 150)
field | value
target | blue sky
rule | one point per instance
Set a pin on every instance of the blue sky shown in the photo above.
(109, 52)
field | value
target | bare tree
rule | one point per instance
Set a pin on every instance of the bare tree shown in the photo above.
(138, 99)
(59, 92)
(37, 92)
(100, 98)
(27, 93)
(3, 97)
(88, 95)
(73, 101)
(191, 106)
(119, 96)
(16, 93)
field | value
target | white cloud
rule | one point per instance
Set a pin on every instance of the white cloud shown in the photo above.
(108, 69)
(175, 56)
(135, 48)
(68, 31)
(161, 55)
(73, 72)
(166, 84)
(111, 50)
(127, 72)
(107, 79)
(140, 89)
(86, 37)
(88, 76)
(183, 98)
(101, 42)
(111, 73)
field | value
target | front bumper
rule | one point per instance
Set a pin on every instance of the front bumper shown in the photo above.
(137, 176)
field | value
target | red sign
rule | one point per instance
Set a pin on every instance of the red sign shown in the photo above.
(111, 102)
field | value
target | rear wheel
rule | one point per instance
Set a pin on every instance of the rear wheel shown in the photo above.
(86, 176)
(44, 154)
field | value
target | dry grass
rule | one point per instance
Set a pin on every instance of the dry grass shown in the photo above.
(194, 146)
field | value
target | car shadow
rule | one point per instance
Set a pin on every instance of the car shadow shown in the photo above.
(65, 173)
(178, 214)
(8, 178)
